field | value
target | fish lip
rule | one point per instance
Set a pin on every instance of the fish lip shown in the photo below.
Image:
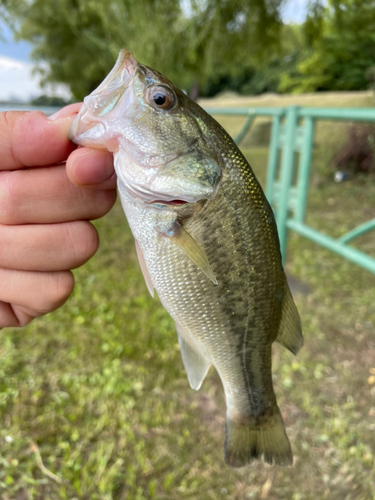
(149, 200)
(172, 203)
(78, 135)
(125, 60)
(115, 84)
(70, 133)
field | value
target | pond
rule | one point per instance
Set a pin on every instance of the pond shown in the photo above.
(48, 110)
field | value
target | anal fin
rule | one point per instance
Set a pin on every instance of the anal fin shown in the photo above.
(195, 363)
(290, 330)
(144, 269)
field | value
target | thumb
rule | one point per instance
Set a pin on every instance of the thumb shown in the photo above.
(91, 168)
(30, 139)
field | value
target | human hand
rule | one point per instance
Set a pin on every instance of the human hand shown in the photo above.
(44, 228)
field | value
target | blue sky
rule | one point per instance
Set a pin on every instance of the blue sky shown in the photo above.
(294, 11)
(15, 65)
(16, 78)
(15, 50)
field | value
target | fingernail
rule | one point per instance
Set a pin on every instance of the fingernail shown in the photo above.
(69, 111)
(56, 115)
(61, 116)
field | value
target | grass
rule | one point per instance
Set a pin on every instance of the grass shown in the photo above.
(95, 404)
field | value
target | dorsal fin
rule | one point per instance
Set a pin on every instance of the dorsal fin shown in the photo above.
(195, 363)
(144, 269)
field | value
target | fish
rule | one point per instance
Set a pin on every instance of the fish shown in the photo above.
(207, 242)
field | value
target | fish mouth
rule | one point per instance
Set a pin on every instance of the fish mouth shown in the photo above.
(89, 126)
(123, 70)
(169, 203)
(143, 195)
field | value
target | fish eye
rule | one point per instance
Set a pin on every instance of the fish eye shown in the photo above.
(162, 97)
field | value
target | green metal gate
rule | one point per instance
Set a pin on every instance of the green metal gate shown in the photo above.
(293, 131)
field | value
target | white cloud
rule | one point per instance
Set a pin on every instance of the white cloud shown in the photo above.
(294, 11)
(9, 64)
(18, 82)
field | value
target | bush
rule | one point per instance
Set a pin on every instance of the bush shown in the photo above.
(358, 153)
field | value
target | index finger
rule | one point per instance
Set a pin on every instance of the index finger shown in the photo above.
(30, 139)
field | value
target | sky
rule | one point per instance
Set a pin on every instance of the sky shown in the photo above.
(294, 11)
(17, 81)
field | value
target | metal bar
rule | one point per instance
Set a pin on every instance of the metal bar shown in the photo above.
(336, 246)
(292, 196)
(246, 111)
(245, 128)
(358, 231)
(304, 168)
(355, 114)
(273, 158)
(287, 167)
(281, 194)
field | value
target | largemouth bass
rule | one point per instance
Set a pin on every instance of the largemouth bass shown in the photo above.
(207, 241)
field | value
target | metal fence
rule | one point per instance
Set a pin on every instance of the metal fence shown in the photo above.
(292, 131)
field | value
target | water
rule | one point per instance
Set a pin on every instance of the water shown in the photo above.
(47, 110)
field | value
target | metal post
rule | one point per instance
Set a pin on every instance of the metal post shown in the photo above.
(304, 168)
(358, 231)
(287, 168)
(346, 251)
(283, 194)
(273, 158)
(245, 128)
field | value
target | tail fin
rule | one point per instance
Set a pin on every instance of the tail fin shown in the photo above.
(243, 443)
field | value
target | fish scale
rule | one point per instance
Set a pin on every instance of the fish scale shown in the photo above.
(207, 242)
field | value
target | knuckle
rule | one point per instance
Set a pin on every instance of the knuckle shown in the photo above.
(9, 197)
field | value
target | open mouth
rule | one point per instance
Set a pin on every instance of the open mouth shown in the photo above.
(172, 202)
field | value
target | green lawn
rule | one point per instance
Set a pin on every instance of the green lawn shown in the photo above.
(95, 404)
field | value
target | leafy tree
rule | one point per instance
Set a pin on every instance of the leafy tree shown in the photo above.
(227, 37)
(46, 100)
(341, 51)
(188, 41)
(263, 76)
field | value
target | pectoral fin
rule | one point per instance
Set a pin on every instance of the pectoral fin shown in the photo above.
(191, 248)
(196, 365)
(144, 269)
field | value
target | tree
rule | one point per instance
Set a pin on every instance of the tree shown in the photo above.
(188, 41)
(46, 100)
(265, 75)
(227, 37)
(341, 50)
